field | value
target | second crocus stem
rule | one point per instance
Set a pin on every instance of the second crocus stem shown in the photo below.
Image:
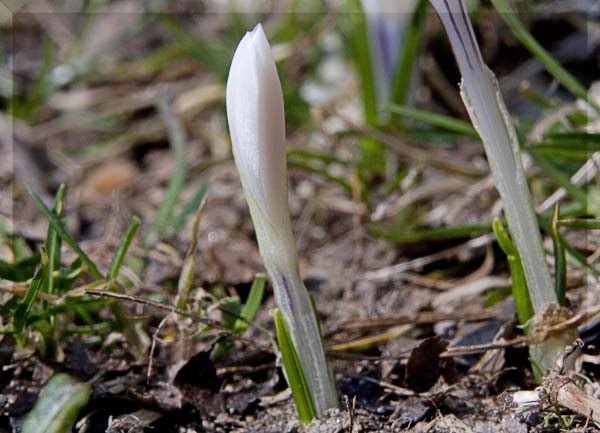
(486, 108)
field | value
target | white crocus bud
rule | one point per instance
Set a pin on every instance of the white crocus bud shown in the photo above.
(482, 98)
(257, 126)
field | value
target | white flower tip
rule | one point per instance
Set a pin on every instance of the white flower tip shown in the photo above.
(254, 101)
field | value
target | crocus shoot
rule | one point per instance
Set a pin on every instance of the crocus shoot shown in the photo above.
(387, 24)
(257, 127)
(480, 93)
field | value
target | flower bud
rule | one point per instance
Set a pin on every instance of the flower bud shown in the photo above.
(256, 124)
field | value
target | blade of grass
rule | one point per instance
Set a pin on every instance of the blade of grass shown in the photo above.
(581, 223)
(358, 40)
(313, 155)
(439, 120)
(293, 371)
(521, 297)
(573, 145)
(553, 67)
(557, 175)
(186, 277)
(24, 308)
(573, 255)
(560, 259)
(58, 405)
(321, 172)
(117, 261)
(408, 55)
(53, 240)
(190, 207)
(252, 304)
(178, 143)
(433, 234)
(62, 232)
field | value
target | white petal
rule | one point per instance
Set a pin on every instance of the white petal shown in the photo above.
(256, 122)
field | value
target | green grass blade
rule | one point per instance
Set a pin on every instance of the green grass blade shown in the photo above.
(321, 172)
(21, 270)
(560, 258)
(293, 370)
(439, 120)
(556, 175)
(237, 318)
(553, 67)
(357, 36)
(117, 261)
(521, 297)
(255, 297)
(58, 226)
(24, 308)
(178, 143)
(325, 158)
(58, 405)
(433, 234)
(573, 255)
(190, 207)
(580, 223)
(53, 240)
(408, 55)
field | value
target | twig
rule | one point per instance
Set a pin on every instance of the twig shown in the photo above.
(153, 346)
(171, 309)
(524, 341)
(528, 340)
(351, 408)
(556, 389)
(424, 317)
(396, 270)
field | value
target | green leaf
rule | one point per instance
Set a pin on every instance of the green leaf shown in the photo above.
(236, 317)
(357, 38)
(21, 270)
(252, 304)
(581, 223)
(58, 405)
(293, 371)
(60, 229)
(433, 234)
(178, 144)
(321, 172)
(560, 258)
(551, 65)
(190, 207)
(439, 120)
(53, 240)
(323, 157)
(519, 284)
(408, 55)
(23, 310)
(496, 295)
(556, 175)
(230, 308)
(117, 260)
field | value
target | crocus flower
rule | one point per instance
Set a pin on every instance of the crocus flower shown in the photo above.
(256, 123)
(486, 108)
(387, 21)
